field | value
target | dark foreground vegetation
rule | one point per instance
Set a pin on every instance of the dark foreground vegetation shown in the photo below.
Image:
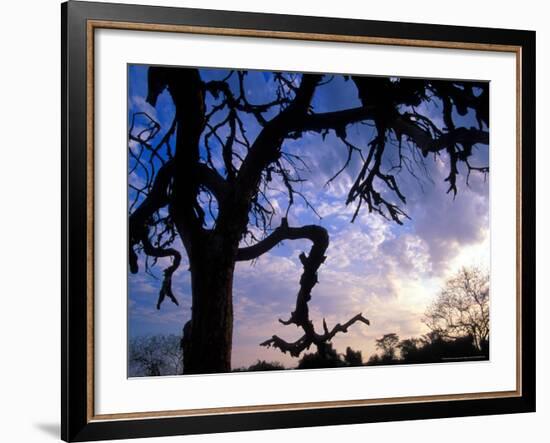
(429, 348)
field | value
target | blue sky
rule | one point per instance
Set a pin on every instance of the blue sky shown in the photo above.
(388, 272)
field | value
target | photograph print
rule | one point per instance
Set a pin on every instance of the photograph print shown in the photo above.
(288, 220)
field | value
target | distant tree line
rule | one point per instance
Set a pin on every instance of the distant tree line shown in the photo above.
(430, 348)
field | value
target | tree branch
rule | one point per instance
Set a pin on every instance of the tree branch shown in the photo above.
(233, 218)
(311, 263)
(186, 89)
(283, 232)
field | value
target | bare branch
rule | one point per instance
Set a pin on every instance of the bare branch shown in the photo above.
(311, 263)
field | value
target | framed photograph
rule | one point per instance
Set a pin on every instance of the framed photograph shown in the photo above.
(279, 221)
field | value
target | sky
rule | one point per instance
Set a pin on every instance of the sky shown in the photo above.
(388, 272)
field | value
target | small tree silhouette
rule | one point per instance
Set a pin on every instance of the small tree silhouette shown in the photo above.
(155, 355)
(262, 365)
(353, 358)
(388, 344)
(462, 308)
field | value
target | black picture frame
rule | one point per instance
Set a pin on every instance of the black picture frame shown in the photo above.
(77, 424)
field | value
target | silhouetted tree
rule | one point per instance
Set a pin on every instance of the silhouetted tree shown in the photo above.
(327, 359)
(462, 308)
(388, 344)
(409, 347)
(262, 365)
(353, 358)
(205, 182)
(155, 355)
(374, 360)
(330, 358)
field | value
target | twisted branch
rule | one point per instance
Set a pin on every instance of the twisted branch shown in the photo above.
(311, 263)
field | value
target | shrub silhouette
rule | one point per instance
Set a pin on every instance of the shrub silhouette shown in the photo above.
(262, 365)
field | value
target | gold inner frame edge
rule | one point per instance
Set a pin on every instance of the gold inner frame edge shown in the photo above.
(339, 38)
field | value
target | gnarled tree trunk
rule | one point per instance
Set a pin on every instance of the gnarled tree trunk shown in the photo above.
(208, 335)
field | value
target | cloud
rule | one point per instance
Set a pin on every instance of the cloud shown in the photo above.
(447, 224)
